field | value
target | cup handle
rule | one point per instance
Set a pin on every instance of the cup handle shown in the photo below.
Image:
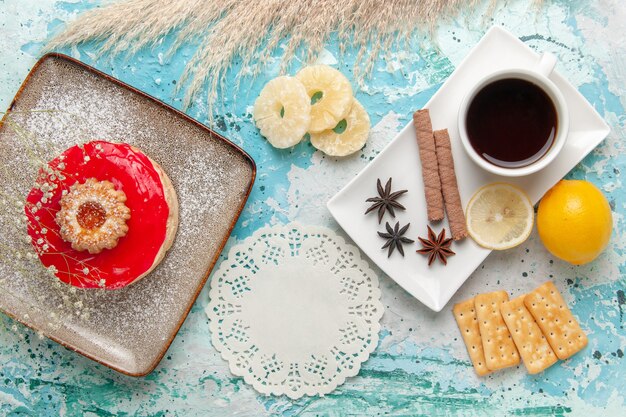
(546, 64)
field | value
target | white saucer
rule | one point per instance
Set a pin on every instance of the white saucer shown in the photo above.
(435, 285)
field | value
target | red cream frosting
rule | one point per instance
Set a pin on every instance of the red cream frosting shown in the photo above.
(130, 171)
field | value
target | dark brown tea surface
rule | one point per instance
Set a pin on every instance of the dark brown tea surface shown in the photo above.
(511, 123)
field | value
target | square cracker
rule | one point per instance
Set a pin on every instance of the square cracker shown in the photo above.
(465, 316)
(500, 351)
(530, 341)
(555, 320)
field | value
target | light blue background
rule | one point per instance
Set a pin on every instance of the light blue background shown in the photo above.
(420, 367)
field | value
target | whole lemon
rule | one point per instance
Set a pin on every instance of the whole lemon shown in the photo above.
(574, 221)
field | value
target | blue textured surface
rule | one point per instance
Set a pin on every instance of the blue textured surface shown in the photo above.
(420, 366)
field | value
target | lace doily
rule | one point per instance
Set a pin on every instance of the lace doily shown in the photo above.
(294, 310)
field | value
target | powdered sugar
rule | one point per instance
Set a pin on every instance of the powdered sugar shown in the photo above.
(64, 105)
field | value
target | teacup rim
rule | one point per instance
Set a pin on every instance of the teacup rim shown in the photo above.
(562, 114)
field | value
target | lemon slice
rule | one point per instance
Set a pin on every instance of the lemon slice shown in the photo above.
(499, 216)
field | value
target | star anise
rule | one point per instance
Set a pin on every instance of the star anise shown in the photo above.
(395, 238)
(386, 200)
(436, 246)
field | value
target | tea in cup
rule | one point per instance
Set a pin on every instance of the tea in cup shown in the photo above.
(514, 122)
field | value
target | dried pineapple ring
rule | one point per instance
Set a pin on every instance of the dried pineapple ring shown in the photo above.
(282, 112)
(351, 140)
(336, 96)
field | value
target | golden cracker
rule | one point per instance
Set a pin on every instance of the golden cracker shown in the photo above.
(530, 341)
(555, 320)
(465, 316)
(500, 351)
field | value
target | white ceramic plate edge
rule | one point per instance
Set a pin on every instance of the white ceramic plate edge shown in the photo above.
(437, 303)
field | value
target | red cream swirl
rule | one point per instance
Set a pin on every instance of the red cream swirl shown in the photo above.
(130, 171)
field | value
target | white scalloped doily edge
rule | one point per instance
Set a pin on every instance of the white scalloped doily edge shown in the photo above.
(216, 299)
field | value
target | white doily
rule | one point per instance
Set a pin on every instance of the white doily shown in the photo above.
(294, 310)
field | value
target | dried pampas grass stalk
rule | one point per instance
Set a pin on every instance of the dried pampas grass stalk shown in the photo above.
(251, 32)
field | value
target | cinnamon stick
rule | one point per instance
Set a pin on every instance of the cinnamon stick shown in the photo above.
(449, 187)
(430, 172)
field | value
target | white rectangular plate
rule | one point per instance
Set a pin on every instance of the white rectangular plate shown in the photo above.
(435, 285)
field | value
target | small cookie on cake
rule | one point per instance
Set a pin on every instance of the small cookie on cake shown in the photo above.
(102, 215)
(93, 216)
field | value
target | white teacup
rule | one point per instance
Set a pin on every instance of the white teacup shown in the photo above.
(539, 77)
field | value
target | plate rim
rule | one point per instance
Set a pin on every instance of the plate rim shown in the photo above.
(435, 302)
(250, 161)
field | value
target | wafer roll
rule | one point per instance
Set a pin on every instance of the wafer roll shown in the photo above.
(430, 172)
(449, 187)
